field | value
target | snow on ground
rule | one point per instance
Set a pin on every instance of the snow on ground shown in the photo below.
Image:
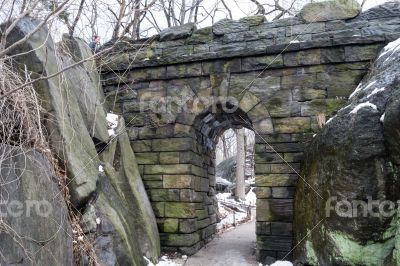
(251, 198)
(227, 197)
(112, 120)
(223, 181)
(165, 261)
(281, 263)
(230, 217)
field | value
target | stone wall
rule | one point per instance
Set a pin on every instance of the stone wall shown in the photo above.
(272, 77)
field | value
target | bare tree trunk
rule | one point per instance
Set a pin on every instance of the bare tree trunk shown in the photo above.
(224, 146)
(119, 18)
(78, 16)
(260, 7)
(227, 9)
(240, 162)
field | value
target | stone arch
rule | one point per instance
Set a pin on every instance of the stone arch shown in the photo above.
(282, 84)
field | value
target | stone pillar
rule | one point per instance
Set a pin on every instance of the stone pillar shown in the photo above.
(277, 159)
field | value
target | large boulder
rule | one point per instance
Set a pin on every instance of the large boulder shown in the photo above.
(34, 227)
(330, 10)
(117, 213)
(177, 32)
(346, 204)
(84, 81)
(127, 230)
(64, 122)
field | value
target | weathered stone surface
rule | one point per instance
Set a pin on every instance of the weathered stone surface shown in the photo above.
(180, 240)
(275, 210)
(283, 192)
(171, 225)
(178, 32)
(281, 243)
(87, 88)
(278, 228)
(292, 124)
(261, 62)
(180, 210)
(228, 26)
(263, 228)
(34, 211)
(66, 127)
(243, 38)
(271, 180)
(178, 181)
(253, 21)
(164, 195)
(330, 10)
(119, 219)
(123, 202)
(354, 158)
(386, 10)
(263, 192)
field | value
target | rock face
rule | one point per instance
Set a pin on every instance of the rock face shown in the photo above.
(177, 32)
(69, 136)
(117, 215)
(353, 161)
(128, 230)
(86, 88)
(330, 10)
(35, 228)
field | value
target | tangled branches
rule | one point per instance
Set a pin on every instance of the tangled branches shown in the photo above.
(20, 121)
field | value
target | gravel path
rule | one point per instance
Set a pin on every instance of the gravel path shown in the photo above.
(233, 248)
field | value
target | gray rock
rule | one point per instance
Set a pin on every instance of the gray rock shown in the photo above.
(385, 10)
(228, 26)
(123, 207)
(35, 228)
(84, 81)
(126, 230)
(88, 221)
(330, 10)
(104, 248)
(354, 157)
(66, 128)
(178, 32)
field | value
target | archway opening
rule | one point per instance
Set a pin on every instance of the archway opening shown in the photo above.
(235, 179)
(225, 144)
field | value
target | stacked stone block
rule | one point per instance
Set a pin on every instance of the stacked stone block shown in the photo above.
(282, 75)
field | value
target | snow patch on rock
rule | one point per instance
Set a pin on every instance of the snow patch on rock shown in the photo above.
(363, 105)
(382, 119)
(391, 48)
(375, 91)
(112, 123)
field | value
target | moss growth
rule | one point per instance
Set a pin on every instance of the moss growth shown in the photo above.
(354, 253)
(171, 225)
(311, 256)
